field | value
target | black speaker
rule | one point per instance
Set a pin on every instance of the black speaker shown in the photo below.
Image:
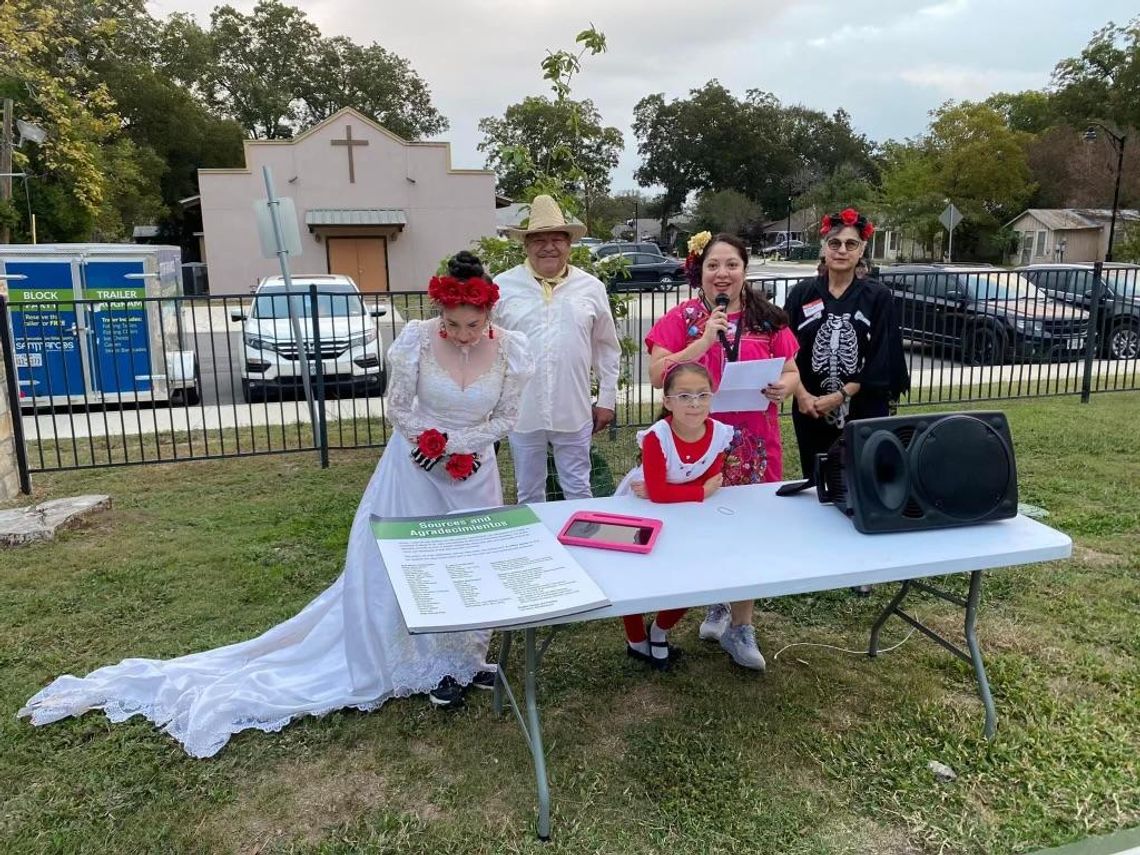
(908, 473)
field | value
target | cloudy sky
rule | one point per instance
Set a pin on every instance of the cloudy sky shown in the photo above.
(888, 62)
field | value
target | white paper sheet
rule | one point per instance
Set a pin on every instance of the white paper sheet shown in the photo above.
(740, 386)
(482, 569)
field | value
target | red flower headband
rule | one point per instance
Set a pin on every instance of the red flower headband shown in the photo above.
(450, 292)
(848, 217)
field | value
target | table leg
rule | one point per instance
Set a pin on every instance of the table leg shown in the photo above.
(504, 651)
(535, 732)
(873, 647)
(974, 656)
(972, 601)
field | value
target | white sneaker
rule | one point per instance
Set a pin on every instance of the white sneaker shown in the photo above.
(740, 643)
(715, 622)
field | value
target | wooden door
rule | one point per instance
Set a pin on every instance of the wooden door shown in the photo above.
(365, 259)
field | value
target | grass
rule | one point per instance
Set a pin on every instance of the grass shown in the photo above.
(827, 753)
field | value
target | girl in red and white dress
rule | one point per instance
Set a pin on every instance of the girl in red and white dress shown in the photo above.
(682, 455)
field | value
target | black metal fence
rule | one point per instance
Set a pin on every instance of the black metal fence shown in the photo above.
(110, 383)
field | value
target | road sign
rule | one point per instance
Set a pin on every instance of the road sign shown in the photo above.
(287, 220)
(950, 218)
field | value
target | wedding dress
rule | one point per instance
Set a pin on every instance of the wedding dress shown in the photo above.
(349, 647)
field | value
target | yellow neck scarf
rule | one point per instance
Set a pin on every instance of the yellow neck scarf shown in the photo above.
(548, 284)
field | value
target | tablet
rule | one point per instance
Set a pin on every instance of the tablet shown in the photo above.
(610, 531)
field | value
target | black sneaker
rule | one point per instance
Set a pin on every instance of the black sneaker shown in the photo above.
(484, 680)
(447, 695)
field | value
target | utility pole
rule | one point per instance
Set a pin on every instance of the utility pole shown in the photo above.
(6, 163)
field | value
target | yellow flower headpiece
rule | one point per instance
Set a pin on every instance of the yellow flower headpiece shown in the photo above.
(698, 242)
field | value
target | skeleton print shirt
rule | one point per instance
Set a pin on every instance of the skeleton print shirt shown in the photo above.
(851, 339)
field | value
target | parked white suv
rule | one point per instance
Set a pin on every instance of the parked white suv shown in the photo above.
(351, 356)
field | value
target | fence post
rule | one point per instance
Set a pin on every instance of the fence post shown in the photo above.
(14, 473)
(1092, 340)
(322, 425)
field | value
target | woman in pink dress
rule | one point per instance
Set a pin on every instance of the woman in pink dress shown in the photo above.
(744, 326)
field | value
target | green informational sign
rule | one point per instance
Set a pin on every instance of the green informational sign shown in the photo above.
(457, 525)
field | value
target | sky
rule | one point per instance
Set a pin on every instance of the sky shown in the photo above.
(888, 63)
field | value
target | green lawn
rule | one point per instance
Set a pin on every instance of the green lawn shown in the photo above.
(827, 753)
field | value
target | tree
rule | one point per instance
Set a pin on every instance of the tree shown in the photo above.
(980, 162)
(544, 129)
(376, 82)
(1103, 83)
(42, 68)
(275, 74)
(910, 195)
(1030, 111)
(724, 211)
(846, 186)
(564, 173)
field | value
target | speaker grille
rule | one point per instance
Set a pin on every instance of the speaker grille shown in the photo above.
(913, 510)
(905, 435)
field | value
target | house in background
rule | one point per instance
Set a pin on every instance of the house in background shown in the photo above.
(1066, 234)
(371, 205)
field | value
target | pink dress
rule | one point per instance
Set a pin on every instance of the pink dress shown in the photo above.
(755, 454)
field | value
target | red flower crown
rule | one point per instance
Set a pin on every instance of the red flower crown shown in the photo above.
(450, 292)
(847, 217)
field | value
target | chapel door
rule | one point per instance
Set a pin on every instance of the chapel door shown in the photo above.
(365, 259)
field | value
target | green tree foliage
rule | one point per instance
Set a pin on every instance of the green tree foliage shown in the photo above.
(566, 167)
(724, 211)
(1103, 83)
(275, 74)
(545, 130)
(1030, 111)
(713, 141)
(845, 186)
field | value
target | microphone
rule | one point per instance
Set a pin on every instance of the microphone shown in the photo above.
(721, 302)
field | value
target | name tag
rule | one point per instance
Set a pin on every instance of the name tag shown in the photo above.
(813, 308)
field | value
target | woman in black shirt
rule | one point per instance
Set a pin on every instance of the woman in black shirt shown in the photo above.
(850, 358)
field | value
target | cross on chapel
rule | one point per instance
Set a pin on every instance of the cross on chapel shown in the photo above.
(350, 143)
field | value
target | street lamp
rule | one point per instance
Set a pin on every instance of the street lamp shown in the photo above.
(1118, 141)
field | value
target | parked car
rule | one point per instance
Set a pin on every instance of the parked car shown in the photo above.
(589, 242)
(782, 247)
(988, 316)
(1118, 315)
(647, 272)
(350, 353)
(647, 247)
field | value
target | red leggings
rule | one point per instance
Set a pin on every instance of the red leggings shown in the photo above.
(635, 624)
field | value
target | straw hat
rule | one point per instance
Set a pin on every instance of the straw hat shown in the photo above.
(546, 217)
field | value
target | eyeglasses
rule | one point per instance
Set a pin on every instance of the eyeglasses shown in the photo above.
(835, 244)
(690, 398)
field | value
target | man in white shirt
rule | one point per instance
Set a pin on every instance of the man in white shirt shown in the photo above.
(565, 314)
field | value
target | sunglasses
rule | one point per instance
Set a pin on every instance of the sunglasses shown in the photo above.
(835, 244)
(690, 398)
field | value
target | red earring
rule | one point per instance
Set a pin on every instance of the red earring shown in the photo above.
(490, 331)
(442, 332)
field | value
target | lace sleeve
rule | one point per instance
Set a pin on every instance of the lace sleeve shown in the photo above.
(520, 367)
(403, 377)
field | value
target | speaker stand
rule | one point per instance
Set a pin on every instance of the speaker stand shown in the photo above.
(973, 655)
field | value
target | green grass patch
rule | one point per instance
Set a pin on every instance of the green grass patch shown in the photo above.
(827, 753)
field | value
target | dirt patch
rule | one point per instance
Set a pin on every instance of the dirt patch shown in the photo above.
(300, 800)
(1092, 558)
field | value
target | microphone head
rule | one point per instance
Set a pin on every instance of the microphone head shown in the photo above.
(721, 301)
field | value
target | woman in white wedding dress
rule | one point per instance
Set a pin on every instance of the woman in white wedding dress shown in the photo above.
(456, 377)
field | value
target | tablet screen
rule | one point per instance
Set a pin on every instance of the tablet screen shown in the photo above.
(610, 532)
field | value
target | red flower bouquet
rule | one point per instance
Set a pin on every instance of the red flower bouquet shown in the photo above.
(431, 443)
(460, 466)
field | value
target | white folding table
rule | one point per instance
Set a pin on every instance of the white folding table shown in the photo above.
(747, 543)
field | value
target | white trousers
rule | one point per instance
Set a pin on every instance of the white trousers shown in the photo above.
(571, 461)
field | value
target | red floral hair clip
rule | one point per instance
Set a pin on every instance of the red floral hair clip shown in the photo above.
(847, 217)
(450, 292)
